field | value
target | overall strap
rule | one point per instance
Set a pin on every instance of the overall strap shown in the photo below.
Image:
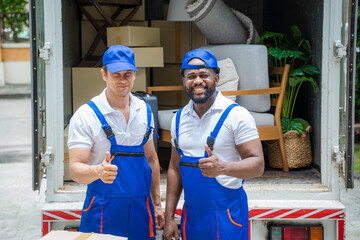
(104, 125)
(149, 128)
(211, 139)
(177, 124)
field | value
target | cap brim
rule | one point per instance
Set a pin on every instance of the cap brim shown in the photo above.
(121, 66)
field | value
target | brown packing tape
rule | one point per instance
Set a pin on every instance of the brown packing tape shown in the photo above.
(134, 36)
(66, 157)
(118, 40)
(84, 236)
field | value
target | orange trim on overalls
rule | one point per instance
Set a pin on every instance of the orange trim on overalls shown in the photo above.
(85, 210)
(217, 227)
(151, 219)
(237, 224)
(102, 217)
(184, 223)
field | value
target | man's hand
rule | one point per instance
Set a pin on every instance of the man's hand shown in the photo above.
(171, 230)
(106, 171)
(211, 166)
(159, 216)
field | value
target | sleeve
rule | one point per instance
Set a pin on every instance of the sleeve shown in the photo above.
(172, 130)
(79, 132)
(244, 126)
(152, 124)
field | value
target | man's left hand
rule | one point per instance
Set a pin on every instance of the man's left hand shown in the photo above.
(211, 166)
(159, 216)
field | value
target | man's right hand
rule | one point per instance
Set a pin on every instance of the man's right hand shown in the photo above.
(171, 230)
(106, 171)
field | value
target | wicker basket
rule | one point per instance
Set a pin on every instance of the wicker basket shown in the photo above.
(297, 149)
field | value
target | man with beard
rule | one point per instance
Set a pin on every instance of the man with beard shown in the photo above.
(215, 146)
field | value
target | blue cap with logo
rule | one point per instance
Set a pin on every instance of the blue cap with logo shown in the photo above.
(203, 54)
(119, 58)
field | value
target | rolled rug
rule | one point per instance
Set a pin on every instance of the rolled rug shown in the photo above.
(218, 23)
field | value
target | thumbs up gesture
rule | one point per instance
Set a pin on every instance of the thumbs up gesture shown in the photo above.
(211, 166)
(108, 171)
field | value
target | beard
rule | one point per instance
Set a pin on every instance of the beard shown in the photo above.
(210, 90)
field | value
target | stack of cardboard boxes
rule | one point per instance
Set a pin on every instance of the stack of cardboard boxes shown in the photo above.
(161, 47)
(144, 41)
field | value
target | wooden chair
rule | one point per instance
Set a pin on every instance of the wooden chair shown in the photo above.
(266, 132)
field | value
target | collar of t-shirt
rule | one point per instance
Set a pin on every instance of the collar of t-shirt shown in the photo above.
(105, 107)
(218, 105)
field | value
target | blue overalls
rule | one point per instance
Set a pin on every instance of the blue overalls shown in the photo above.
(211, 211)
(123, 208)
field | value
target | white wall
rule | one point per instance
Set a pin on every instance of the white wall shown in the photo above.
(2, 78)
(16, 72)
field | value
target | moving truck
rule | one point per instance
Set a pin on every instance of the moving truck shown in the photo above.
(303, 201)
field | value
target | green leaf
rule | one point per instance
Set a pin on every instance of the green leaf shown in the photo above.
(267, 35)
(303, 122)
(282, 53)
(290, 125)
(310, 69)
(306, 46)
(293, 81)
(296, 72)
(296, 33)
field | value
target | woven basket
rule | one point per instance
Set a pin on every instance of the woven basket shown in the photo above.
(297, 149)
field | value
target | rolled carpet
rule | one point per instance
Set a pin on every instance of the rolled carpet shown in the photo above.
(219, 23)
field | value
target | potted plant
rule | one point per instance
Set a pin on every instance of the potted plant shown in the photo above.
(295, 50)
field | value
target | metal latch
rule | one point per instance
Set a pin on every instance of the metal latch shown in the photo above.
(47, 157)
(44, 52)
(340, 49)
(339, 155)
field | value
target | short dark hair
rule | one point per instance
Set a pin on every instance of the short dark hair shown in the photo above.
(216, 70)
(104, 67)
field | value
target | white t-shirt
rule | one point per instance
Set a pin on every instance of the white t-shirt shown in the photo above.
(239, 127)
(85, 128)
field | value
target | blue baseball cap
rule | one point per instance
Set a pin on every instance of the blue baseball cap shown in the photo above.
(203, 54)
(119, 58)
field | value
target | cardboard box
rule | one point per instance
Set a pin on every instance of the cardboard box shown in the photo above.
(66, 155)
(87, 83)
(169, 75)
(175, 39)
(88, 34)
(67, 235)
(140, 82)
(133, 36)
(149, 56)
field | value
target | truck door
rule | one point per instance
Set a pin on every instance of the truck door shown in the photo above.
(345, 156)
(38, 89)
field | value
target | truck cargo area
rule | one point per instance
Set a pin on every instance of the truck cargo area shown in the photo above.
(267, 15)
